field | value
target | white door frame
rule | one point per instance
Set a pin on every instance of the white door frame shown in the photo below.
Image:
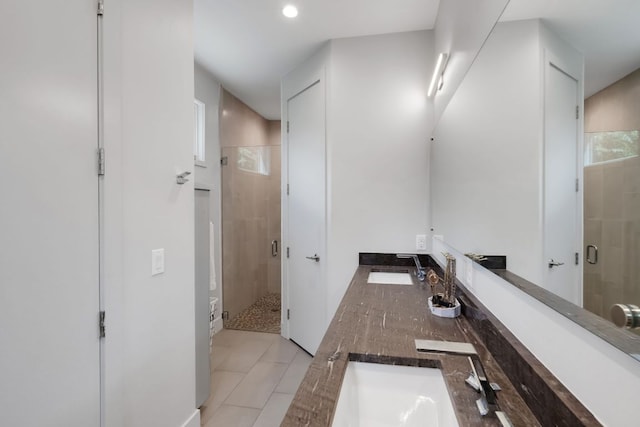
(101, 213)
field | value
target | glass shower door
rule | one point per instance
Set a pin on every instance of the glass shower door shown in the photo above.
(612, 223)
(250, 224)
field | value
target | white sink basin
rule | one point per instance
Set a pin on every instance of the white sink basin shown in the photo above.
(389, 278)
(376, 395)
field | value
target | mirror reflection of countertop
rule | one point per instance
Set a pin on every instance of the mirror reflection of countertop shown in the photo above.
(381, 322)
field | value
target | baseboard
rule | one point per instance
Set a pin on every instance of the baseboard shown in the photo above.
(194, 420)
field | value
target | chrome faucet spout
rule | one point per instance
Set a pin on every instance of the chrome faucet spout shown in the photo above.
(420, 271)
(478, 380)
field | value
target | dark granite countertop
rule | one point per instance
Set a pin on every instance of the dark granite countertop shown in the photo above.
(380, 323)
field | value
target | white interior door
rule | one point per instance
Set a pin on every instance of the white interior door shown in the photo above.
(306, 213)
(49, 278)
(560, 190)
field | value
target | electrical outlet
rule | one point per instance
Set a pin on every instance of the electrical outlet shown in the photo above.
(421, 242)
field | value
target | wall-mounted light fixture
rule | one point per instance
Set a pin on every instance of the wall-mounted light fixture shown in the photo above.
(436, 80)
(290, 11)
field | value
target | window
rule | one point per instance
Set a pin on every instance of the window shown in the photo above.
(198, 135)
(255, 160)
(606, 146)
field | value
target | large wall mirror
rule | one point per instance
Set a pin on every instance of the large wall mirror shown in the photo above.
(537, 155)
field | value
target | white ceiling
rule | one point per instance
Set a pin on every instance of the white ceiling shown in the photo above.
(248, 45)
(607, 32)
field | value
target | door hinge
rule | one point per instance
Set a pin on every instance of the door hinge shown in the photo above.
(100, 7)
(287, 251)
(577, 258)
(101, 324)
(225, 315)
(288, 314)
(101, 161)
(577, 184)
(577, 111)
(224, 161)
(287, 126)
(287, 189)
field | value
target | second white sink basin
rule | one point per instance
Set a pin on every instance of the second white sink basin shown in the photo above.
(377, 395)
(389, 278)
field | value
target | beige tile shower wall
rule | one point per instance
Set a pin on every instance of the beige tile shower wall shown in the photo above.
(274, 225)
(612, 223)
(612, 203)
(240, 126)
(244, 235)
(250, 208)
(616, 107)
(275, 135)
(593, 207)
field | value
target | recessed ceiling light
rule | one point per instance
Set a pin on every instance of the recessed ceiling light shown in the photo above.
(290, 11)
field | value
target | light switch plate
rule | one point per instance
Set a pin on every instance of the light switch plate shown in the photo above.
(421, 242)
(157, 261)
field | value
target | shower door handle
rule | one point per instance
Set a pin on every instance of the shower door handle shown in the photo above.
(625, 316)
(274, 248)
(593, 260)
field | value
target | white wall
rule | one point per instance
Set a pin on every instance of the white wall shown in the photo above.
(207, 90)
(460, 30)
(378, 126)
(602, 377)
(148, 139)
(486, 168)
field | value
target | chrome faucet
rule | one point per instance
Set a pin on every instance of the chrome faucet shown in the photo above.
(488, 401)
(420, 271)
(478, 380)
(450, 279)
(448, 298)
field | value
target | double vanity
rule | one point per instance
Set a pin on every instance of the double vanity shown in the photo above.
(368, 356)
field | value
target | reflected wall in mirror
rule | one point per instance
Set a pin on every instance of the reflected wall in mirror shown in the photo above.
(493, 185)
(460, 30)
(612, 197)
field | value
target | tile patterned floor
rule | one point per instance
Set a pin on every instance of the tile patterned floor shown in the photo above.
(254, 377)
(261, 316)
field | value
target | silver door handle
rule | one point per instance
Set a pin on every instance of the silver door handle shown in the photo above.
(553, 263)
(315, 257)
(593, 260)
(274, 248)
